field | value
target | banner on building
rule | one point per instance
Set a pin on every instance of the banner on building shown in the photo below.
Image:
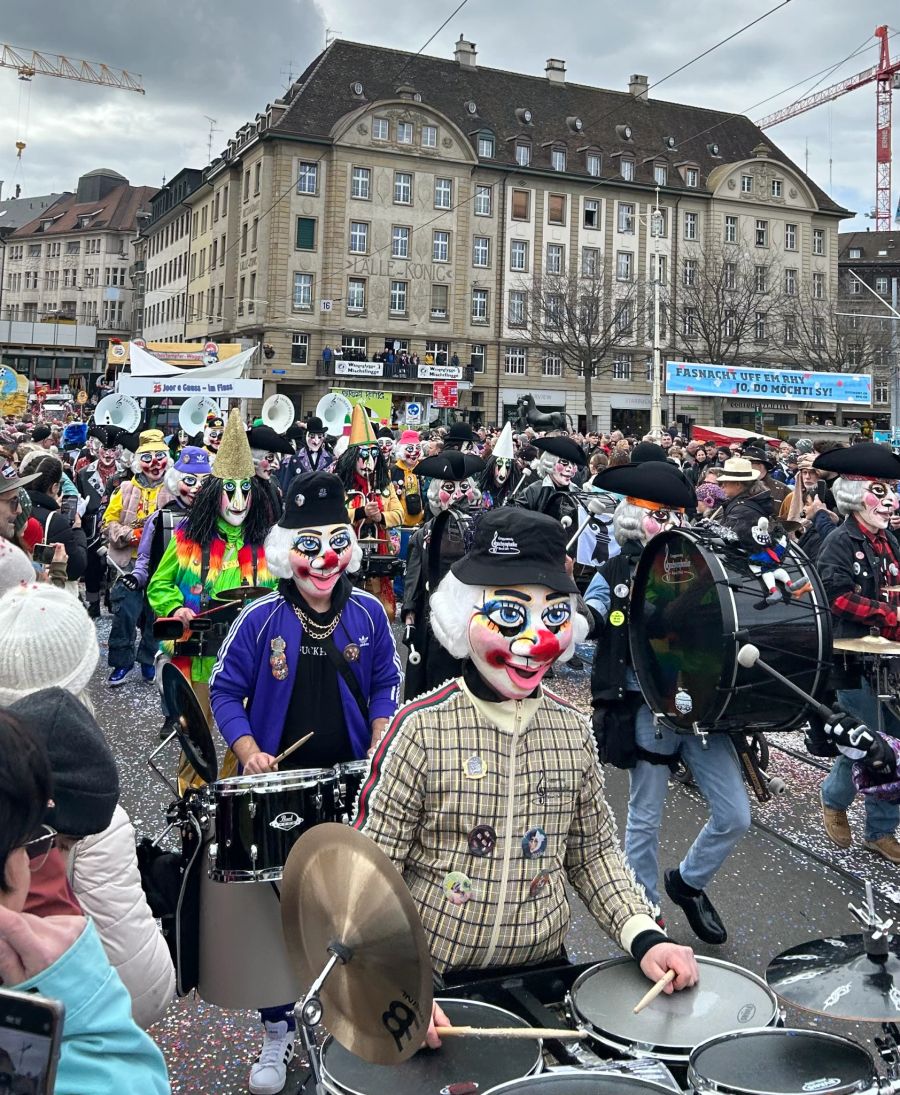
(378, 404)
(164, 387)
(184, 355)
(440, 372)
(735, 382)
(446, 393)
(358, 368)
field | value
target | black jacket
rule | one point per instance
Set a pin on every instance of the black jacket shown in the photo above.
(741, 513)
(848, 563)
(613, 655)
(57, 530)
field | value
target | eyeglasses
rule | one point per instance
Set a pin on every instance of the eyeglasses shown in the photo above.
(12, 500)
(39, 847)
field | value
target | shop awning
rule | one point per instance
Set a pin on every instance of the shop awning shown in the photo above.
(727, 435)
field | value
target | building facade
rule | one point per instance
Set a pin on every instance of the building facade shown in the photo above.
(167, 254)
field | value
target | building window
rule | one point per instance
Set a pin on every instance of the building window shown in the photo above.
(303, 291)
(556, 209)
(440, 247)
(881, 286)
(762, 233)
(818, 333)
(478, 356)
(402, 188)
(790, 282)
(624, 317)
(73, 247)
(399, 242)
(308, 178)
(517, 307)
(443, 193)
(556, 258)
(523, 153)
(660, 174)
(790, 329)
(692, 177)
(689, 322)
(486, 147)
(359, 238)
(729, 275)
(621, 368)
(759, 327)
(689, 272)
(558, 159)
(481, 251)
(404, 132)
(659, 223)
(483, 201)
(518, 256)
(881, 392)
(626, 218)
(590, 261)
(551, 365)
(514, 360)
(855, 252)
(381, 129)
(480, 305)
(360, 182)
(591, 217)
(398, 297)
(594, 163)
(659, 265)
(299, 349)
(746, 184)
(34, 250)
(691, 222)
(731, 226)
(356, 294)
(429, 136)
(790, 237)
(306, 234)
(520, 205)
(818, 286)
(818, 241)
(439, 301)
(777, 188)
(624, 265)
(855, 287)
(626, 169)
(761, 278)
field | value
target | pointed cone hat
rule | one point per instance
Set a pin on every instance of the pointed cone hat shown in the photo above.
(234, 460)
(504, 446)
(361, 432)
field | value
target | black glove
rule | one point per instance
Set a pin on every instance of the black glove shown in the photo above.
(856, 741)
(130, 582)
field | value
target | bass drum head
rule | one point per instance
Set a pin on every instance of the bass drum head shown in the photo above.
(691, 595)
(726, 998)
(781, 1062)
(580, 1083)
(470, 1060)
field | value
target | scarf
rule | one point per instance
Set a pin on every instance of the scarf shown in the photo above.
(190, 563)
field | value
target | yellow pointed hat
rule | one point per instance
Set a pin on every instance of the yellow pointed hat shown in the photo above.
(361, 432)
(233, 460)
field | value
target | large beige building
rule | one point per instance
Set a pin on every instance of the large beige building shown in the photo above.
(168, 258)
(400, 201)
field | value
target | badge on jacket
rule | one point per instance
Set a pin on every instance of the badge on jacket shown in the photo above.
(277, 660)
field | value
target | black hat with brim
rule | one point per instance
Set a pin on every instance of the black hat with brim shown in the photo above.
(450, 464)
(563, 447)
(313, 425)
(864, 459)
(759, 456)
(313, 500)
(647, 451)
(265, 439)
(652, 481)
(515, 546)
(109, 436)
(460, 431)
(385, 431)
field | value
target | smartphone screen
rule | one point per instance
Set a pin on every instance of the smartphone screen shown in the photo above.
(43, 553)
(30, 1033)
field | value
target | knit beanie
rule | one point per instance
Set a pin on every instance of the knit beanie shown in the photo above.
(15, 566)
(85, 778)
(46, 639)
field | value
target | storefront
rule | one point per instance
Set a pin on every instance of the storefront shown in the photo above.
(630, 413)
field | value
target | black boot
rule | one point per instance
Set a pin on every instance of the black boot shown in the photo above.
(701, 914)
(93, 610)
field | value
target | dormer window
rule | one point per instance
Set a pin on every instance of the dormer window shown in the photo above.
(626, 168)
(691, 176)
(84, 222)
(856, 253)
(558, 159)
(404, 132)
(523, 153)
(594, 163)
(660, 174)
(429, 136)
(486, 146)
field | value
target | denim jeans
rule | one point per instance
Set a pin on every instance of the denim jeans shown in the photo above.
(838, 790)
(127, 606)
(718, 775)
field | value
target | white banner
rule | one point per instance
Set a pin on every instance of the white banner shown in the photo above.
(163, 387)
(358, 368)
(146, 364)
(440, 372)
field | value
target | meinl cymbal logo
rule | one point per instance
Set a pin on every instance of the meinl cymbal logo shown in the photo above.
(677, 567)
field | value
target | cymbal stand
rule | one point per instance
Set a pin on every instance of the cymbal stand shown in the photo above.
(151, 757)
(876, 936)
(308, 1012)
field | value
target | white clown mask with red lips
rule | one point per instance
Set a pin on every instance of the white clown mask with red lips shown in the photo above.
(878, 504)
(318, 557)
(444, 494)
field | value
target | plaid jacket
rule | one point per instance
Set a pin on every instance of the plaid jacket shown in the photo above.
(443, 771)
(855, 567)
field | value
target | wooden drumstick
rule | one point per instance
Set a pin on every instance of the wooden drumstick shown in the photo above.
(654, 992)
(292, 749)
(561, 1033)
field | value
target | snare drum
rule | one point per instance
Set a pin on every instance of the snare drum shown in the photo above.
(781, 1062)
(577, 1082)
(350, 778)
(726, 998)
(473, 1063)
(258, 819)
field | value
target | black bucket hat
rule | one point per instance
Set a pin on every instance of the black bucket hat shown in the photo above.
(516, 547)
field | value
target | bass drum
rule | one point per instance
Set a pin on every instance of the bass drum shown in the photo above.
(694, 604)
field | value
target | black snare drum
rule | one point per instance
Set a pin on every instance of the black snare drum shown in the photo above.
(572, 1082)
(476, 1064)
(781, 1062)
(350, 778)
(694, 604)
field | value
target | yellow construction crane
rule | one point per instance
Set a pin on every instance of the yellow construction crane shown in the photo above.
(29, 63)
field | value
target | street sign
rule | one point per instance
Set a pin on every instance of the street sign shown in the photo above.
(82, 397)
(413, 413)
(446, 393)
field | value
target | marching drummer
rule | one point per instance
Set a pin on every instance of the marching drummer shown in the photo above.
(486, 792)
(316, 655)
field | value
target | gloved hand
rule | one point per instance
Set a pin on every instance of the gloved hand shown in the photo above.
(854, 739)
(130, 582)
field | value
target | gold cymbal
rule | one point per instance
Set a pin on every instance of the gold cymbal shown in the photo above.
(339, 886)
(867, 644)
(242, 593)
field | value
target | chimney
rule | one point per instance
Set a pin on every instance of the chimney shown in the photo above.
(464, 54)
(637, 86)
(555, 70)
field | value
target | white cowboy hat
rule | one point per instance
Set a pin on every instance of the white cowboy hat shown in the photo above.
(738, 470)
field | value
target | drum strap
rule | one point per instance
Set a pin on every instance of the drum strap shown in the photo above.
(339, 662)
(204, 570)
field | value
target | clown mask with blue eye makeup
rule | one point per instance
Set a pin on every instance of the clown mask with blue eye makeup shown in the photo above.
(516, 634)
(318, 557)
(235, 500)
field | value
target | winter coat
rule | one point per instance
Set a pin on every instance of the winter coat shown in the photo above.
(57, 530)
(848, 563)
(742, 512)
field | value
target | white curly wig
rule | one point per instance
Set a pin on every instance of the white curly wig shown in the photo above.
(452, 604)
(628, 522)
(546, 462)
(278, 549)
(848, 494)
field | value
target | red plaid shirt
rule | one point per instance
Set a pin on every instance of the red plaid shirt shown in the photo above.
(865, 610)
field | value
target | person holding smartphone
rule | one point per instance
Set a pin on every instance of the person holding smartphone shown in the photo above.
(44, 493)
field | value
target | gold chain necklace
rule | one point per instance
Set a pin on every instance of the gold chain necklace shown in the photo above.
(314, 630)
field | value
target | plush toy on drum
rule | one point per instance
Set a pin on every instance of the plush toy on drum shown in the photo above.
(766, 552)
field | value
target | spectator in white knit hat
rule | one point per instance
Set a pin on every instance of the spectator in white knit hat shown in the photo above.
(15, 567)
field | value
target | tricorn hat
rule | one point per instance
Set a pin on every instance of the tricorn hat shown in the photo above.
(266, 439)
(450, 464)
(865, 460)
(460, 432)
(314, 499)
(233, 460)
(652, 481)
(515, 546)
(563, 447)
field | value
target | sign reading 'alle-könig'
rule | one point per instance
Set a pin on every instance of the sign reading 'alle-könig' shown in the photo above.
(735, 382)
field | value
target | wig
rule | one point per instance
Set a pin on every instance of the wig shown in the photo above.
(848, 494)
(278, 549)
(345, 469)
(202, 522)
(453, 603)
(628, 522)
(546, 462)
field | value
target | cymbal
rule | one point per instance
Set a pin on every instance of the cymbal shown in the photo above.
(867, 644)
(189, 723)
(835, 978)
(242, 593)
(339, 886)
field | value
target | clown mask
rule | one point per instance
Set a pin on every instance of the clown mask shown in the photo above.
(107, 457)
(93, 446)
(366, 459)
(502, 468)
(409, 454)
(235, 500)
(386, 445)
(515, 635)
(264, 463)
(563, 473)
(449, 494)
(154, 464)
(212, 438)
(314, 441)
(658, 519)
(318, 557)
(879, 504)
(188, 488)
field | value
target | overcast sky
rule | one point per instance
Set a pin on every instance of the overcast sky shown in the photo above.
(227, 59)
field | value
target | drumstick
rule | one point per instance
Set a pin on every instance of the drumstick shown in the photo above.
(512, 1032)
(292, 748)
(654, 992)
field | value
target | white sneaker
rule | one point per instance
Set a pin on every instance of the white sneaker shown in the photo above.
(269, 1071)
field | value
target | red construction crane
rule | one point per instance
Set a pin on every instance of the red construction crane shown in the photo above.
(886, 76)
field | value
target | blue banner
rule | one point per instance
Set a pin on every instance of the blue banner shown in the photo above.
(736, 382)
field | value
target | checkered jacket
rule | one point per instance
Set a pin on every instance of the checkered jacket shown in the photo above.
(444, 768)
